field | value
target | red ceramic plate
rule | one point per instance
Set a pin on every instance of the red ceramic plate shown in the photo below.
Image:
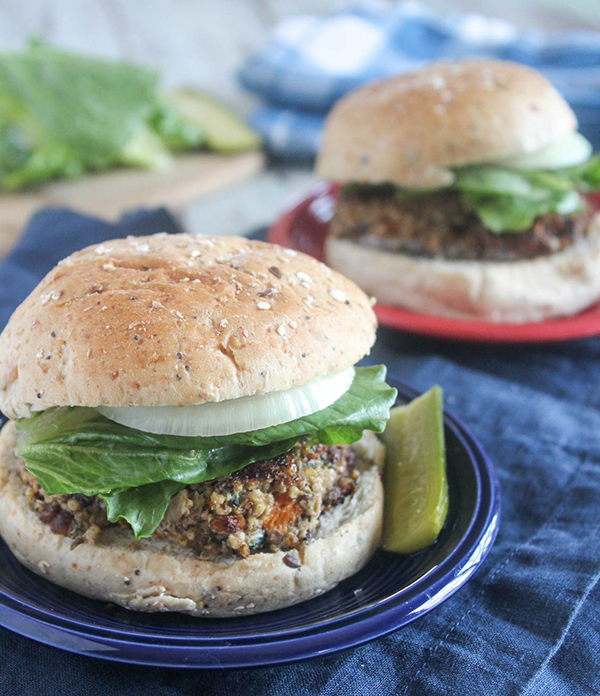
(304, 226)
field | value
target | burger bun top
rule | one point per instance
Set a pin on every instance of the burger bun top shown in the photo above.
(411, 129)
(174, 320)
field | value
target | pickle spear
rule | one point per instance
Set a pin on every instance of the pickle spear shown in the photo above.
(414, 480)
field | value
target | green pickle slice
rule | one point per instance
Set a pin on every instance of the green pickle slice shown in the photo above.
(224, 131)
(414, 480)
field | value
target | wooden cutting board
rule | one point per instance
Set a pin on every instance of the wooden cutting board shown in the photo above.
(188, 179)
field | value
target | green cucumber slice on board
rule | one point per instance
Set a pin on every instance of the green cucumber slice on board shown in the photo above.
(224, 131)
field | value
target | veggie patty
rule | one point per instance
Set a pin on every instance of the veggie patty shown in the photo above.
(440, 224)
(267, 506)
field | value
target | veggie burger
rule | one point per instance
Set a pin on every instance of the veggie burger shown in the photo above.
(461, 193)
(189, 432)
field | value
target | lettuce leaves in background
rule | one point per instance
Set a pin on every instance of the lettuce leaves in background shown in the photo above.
(62, 115)
(509, 200)
(76, 114)
(77, 450)
(176, 131)
(506, 200)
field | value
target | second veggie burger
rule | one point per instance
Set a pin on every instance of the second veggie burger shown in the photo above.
(461, 193)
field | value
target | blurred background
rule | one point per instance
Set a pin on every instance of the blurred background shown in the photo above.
(203, 44)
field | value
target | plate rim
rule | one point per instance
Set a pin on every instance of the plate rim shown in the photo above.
(559, 329)
(356, 628)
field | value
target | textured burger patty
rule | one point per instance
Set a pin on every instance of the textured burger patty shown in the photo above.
(76, 515)
(439, 225)
(267, 506)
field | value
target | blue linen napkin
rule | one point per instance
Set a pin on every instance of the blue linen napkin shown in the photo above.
(309, 62)
(527, 623)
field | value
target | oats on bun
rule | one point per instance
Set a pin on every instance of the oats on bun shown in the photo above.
(188, 429)
(462, 193)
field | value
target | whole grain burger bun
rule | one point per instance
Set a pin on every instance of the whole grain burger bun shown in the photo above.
(411, 129)
(154, 575)
(176, 320)
(560, 284)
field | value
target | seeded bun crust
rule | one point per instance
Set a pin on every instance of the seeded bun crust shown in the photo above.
(560, 284)
(154, 575)
(408, 130)
(177, 320)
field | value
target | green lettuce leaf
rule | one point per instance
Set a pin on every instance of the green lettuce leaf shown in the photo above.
(506, 200)
(177, 132)
(89, 106)
(491, 180)
(77, 450)
(14, 149)
(586, 176)
(515, 213)
(77, 114)
(143, 507)
(63, 114)
(51, 160)
(145, 149)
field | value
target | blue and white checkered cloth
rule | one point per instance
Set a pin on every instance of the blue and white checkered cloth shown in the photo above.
(310, 62)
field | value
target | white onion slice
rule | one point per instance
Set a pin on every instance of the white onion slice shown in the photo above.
(235, 415)
(570, 150)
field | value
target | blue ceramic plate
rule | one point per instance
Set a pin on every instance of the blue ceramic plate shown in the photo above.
(390, 592)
